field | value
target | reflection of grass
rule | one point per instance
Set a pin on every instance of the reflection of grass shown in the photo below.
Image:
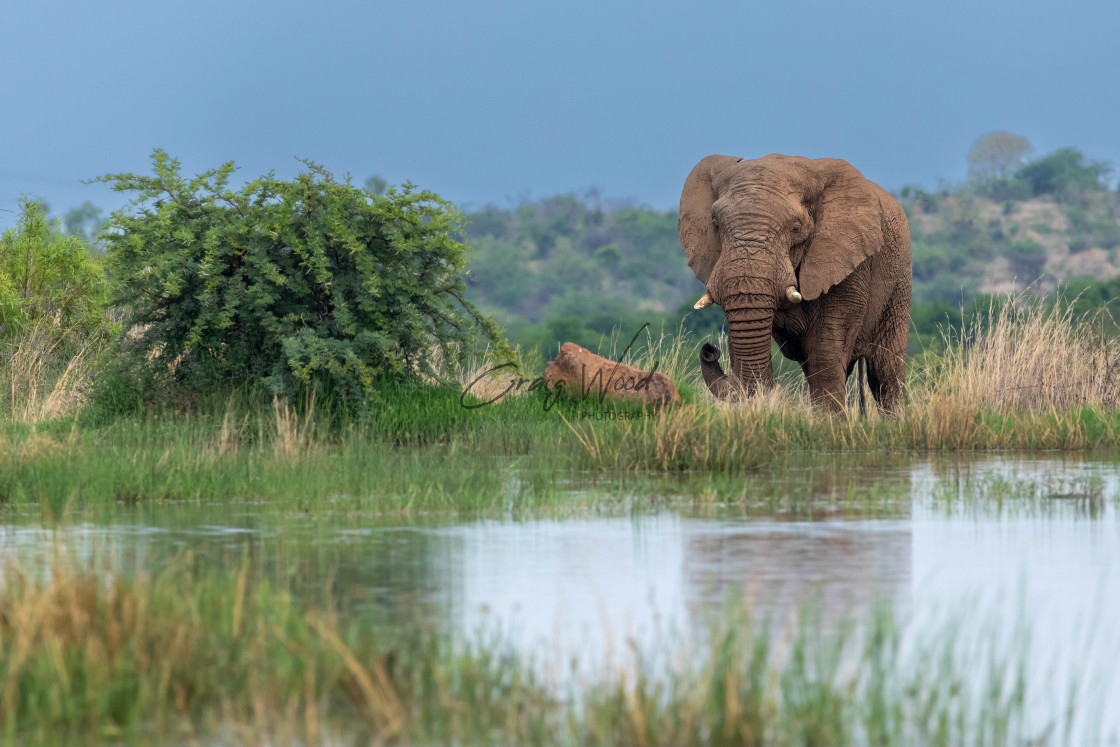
(224, 654)
(1042, 494)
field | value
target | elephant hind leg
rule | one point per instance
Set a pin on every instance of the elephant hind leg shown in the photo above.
(886, 359)
(886, 367)
(885, 373)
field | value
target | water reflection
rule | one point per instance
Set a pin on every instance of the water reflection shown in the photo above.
(844, 567)
(1033, 537)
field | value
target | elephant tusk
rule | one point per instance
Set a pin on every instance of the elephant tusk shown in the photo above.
(793, 295)
(704, 302)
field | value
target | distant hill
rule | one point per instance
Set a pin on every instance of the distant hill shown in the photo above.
(964, 242)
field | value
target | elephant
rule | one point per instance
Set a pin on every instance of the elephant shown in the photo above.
(807, 251)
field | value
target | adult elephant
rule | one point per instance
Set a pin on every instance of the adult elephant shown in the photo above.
(809, 252)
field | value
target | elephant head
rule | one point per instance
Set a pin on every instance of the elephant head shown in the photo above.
(769, 233)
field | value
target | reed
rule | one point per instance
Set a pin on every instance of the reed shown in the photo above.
(88, 653)
(1024, 355)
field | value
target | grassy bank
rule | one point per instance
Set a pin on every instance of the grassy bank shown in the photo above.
(95, 653)
(1026, 378)
(516, 457)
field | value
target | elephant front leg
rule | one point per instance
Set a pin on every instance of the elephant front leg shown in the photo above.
(827, 384)
(827, 360)
(829, 346)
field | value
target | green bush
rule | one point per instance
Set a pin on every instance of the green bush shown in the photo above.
(47, 278)
(287, 284)
(1088, 296)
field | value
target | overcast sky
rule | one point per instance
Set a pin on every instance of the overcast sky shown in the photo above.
(491, 102)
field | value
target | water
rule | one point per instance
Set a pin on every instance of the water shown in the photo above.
(998, 542)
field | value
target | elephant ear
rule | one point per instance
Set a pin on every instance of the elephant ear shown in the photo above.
(848, 228)
(695, 223)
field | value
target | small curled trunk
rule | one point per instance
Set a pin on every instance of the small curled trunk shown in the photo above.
(718, 382)
(750, 361)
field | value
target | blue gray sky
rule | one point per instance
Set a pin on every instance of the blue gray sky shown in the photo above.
(492, 102)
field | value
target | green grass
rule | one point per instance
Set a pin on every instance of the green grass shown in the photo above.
(422, 452)
(90, 654)
(1026, 378)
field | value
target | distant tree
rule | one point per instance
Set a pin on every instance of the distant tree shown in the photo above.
(995, 155)
(47, 276)
(1027, 259)
(1063, 172)
(377, 185)
(497, 272)
(490, 221)
(83, 221)
(608, 256)
(573, 329)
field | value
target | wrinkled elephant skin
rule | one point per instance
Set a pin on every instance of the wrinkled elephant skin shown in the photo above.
(809, 253)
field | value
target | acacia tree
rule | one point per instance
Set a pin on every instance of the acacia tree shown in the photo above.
(996, 155)
(291, 284)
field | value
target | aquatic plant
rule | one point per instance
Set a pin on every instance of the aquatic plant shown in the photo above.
(89, 650)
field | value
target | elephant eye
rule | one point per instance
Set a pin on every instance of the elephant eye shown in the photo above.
(715, 223)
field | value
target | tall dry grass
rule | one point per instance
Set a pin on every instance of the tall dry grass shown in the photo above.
(93, 653)
(1021, 356)
(1026, 374)
(43, 375)
(293, 429)
(1025, 356)
(671, 354)
(480, 375)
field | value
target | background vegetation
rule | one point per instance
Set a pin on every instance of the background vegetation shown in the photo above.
(317, 284)
(575, 268)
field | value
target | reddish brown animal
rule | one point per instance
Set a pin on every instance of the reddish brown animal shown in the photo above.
(808, 252)
(581, 371)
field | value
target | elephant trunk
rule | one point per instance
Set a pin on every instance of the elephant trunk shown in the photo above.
(749, 328)
(749, 331)
(745, 283)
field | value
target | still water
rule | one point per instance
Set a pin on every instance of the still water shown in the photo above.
(996, 542)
